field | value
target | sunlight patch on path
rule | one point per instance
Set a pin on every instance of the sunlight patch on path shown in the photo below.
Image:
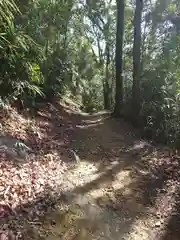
(105, 189)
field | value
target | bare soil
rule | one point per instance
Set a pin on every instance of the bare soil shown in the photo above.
(90, 177)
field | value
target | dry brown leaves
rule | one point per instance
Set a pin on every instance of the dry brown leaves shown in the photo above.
(27, 187)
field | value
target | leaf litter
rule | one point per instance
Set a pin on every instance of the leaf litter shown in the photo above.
(31, 189)
(22, 183)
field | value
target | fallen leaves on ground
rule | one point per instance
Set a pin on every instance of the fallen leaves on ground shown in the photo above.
(28, 190)
(26, 186)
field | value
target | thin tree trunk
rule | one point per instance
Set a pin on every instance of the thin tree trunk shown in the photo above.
(107, 90)
(137, 60)
(119, 58)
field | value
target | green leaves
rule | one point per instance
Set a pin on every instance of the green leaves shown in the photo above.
(7, 10)
(17, 74)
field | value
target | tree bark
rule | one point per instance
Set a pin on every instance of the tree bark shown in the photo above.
(137, 60)
(119, 58)
(106, 85)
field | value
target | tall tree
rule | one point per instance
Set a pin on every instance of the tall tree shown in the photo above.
(102, 17)
(119, 57)
(137, 59)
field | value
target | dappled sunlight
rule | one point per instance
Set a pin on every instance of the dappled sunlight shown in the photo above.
(89, 90)
(78, 223)
(152, 224)
(92, 179)
(89, 125)
(120, 180)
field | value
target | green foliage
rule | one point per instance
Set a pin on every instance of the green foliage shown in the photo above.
(45, 51)
(18, 51)
(53, 48)
(92, 96)
(160, 79)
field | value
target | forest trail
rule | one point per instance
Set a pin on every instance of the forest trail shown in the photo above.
(115, 186)
(111, 192)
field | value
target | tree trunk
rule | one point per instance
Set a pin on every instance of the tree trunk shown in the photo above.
(137, 60)
(107, 89)
(119, 58)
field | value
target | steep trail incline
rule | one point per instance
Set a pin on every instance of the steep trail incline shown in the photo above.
(115, 186)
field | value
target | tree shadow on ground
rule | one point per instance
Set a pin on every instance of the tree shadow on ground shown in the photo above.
(173, 230)
(90, 144)
(134, 183)
(147, 196)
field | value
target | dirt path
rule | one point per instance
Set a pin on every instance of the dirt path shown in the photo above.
(110, 185)
(110, 192)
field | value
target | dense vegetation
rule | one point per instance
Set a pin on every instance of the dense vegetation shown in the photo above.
(52, 48)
